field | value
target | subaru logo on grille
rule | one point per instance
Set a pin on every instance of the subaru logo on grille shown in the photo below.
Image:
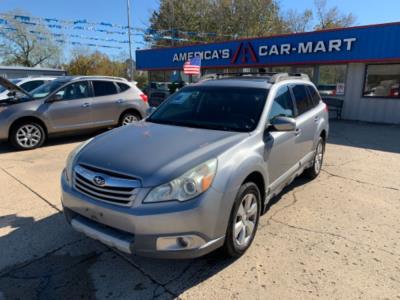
(99, 181)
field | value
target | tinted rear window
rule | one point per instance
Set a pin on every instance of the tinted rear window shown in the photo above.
(314, 95)
(123, 87)
(104, 88)
(303, 102)
(31, 85)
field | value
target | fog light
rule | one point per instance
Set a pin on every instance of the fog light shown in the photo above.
(176, 243)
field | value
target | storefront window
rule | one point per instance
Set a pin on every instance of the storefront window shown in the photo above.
(281, 69)
(332, 80)
(382, 81)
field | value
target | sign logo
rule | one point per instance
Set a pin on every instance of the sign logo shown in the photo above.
(246, 52)
(99, 181)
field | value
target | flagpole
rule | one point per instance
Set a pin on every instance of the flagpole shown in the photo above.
(129, 40)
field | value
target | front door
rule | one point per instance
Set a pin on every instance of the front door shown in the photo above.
(279, 146)
(72, 109)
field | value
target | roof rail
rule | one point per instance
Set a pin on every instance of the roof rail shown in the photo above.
(100, 77)
(272, 77)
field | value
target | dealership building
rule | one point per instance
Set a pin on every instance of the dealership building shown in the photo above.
(359, 65)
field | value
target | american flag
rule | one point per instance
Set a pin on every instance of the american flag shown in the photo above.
(192, 66)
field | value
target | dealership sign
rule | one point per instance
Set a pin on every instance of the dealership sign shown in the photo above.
(368, 43)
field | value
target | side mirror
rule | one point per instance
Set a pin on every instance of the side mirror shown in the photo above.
(11, 94)
(54, 98)
(281, 123)
(150, 110)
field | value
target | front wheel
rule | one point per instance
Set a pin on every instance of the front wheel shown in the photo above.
(316, 166)
(27, 135)
(243, 221)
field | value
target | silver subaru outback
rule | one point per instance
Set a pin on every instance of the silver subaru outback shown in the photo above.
(67, 104)
(197, 174)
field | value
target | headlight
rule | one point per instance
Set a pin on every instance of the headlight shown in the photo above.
(71, 160)
(189, 185)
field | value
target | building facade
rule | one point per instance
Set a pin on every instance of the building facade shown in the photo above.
(20, 72)
(360, 65)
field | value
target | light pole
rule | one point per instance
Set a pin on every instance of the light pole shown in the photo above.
(129, 40)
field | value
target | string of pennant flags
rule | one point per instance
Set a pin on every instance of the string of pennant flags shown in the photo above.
(59, 39)
(152, 36)
(110, 28)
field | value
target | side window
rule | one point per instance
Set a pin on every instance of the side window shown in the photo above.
(31, 85)
(73, 91)
(303, 102)
(104, 88)
(122, 87)
(282, 104)
(315, 97)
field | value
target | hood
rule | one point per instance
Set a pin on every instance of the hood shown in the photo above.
(156, 153)
(11, 87)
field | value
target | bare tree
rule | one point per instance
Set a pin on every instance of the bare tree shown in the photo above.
(298, 22)
(331, 17)
(27, 46)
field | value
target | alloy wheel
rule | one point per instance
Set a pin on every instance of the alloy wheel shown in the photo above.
(245, 220)
(128, 119)
(319, 155)
(28, 136)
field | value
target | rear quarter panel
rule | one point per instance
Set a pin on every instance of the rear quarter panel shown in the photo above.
(133, 101)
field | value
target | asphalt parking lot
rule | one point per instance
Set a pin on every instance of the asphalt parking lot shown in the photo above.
(336, 237)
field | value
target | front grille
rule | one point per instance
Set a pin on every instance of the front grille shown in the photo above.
(103, 187)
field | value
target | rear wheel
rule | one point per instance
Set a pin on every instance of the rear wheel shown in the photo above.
(27, 135)
(244, 219)
(129, 117)
(316, 167)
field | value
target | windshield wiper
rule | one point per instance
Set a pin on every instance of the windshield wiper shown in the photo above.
(196, 125)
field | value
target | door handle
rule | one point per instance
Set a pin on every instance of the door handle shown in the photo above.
(297, 132)
(316, 118)
(119, 101)
(85, 105)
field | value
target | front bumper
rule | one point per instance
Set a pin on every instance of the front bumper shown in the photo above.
(153, 230)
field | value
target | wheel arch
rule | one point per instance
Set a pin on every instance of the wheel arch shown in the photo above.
(28, 119)
(131, 110)
(258, 179)
(323, 134)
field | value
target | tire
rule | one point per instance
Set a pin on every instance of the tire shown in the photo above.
(239, 240)
(128, 118)
(27, 135)
(313, 171)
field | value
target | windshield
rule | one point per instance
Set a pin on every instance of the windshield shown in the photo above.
(46, 89)
(219, 108)
(15, 81)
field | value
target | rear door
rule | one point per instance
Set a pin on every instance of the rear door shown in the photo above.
(280, 145)
(305, 121)
(106, 102)
(73, 109)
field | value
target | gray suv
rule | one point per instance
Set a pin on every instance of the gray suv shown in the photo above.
(68, 104)
(197, 174)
